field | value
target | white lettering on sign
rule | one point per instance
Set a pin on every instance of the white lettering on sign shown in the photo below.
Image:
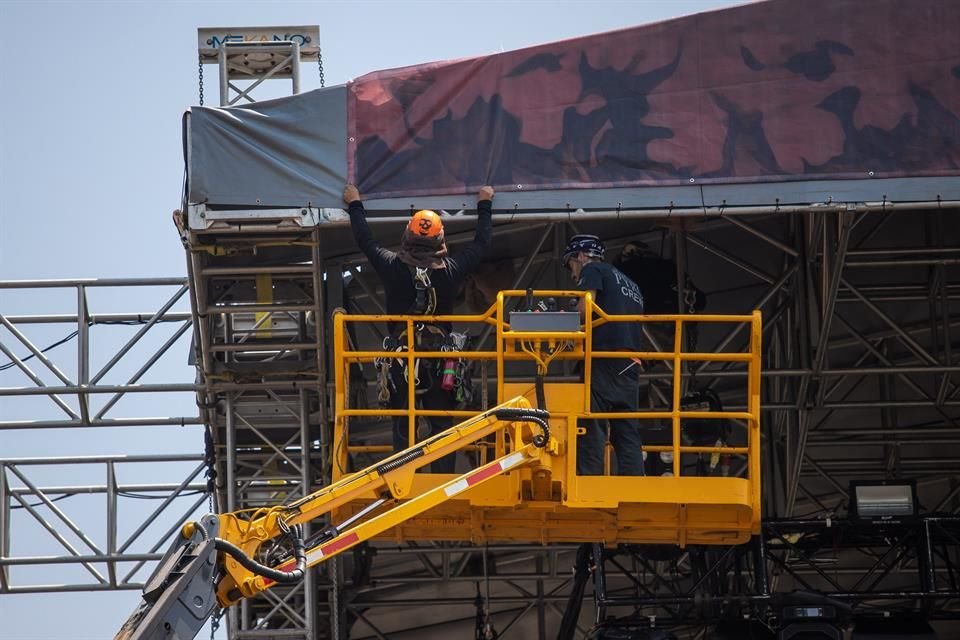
(628, 288)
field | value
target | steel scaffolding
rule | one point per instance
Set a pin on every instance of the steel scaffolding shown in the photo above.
(859, 383)
(859, 380)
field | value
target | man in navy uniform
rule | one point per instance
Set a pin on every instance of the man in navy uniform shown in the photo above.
(614, 382)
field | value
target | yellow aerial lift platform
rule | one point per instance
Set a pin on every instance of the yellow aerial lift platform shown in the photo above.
(524, 487)
(550, 503)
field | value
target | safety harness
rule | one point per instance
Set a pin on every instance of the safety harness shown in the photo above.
(431, 337)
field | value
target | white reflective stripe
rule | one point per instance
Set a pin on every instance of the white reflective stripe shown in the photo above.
(462, 485)
(314, 556)
(512, 460)
(456, 487)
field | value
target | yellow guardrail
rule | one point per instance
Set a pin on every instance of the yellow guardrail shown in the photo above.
(510, 346)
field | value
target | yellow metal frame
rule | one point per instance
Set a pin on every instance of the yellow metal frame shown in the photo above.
(558, 506)
(391, 480)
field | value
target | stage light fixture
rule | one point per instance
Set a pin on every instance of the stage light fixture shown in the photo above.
(883, 502)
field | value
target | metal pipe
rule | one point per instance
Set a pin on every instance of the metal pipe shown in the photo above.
(74, 588)
(96, 318)
(37, 353)
(916, 431)
(72, 490)
(23, 561)
(59, 538)
(4, 528)
(55, 509)
(58, 460)
(272, 270)
(913, 262)
(717, 213)
(749, 268)
(262, 346)
(112, 521)
(769, 240)
(115, 422)
(886, 361)
(222, 64)
(64, 283)
(201, 321)
(105, 388)
(231, 446)
(903, 251)
(165, 536)
(146, 367)
(829, 300)
(882, 442)
(697, 599)
(735, 331)
(860, 463)
(30, 374)
(306, 477)
(136, 338)
(911, 343)
(257, 308)
(148, 521)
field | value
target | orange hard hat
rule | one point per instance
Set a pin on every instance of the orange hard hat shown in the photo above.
(425, 223)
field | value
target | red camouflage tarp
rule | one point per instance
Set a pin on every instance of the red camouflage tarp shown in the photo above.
(771, 91)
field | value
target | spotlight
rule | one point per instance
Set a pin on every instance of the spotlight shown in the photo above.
(883, 502)
(812, 616)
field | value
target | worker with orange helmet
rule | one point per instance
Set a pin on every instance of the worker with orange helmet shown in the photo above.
(422, 277)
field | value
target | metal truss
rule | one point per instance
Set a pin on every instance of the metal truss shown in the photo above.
(249, 56)
(523, 591)
(83, 392)
(70, 534)
(261, 358)
(859, 315)
(860, 309)
(859, 376)
(66, 536)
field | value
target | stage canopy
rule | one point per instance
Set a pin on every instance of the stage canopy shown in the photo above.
(776, 102)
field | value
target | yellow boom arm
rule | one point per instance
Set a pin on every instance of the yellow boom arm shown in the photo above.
(388, 483)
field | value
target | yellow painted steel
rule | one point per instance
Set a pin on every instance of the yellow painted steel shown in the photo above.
(548, 502)
(391, 480)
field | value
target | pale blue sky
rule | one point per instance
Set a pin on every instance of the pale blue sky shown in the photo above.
(91, 168)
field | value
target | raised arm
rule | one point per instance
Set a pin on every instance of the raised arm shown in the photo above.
(468, 257)
(379, 257)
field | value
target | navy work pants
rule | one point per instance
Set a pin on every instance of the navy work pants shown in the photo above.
(612, 391)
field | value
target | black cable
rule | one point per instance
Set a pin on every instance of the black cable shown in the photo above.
(541, 393)
(40, 504)
(70, 337)
(248, 563)
(210, 460)
(143, 496)
(581, 573)
(12, 364)
(537, 416)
